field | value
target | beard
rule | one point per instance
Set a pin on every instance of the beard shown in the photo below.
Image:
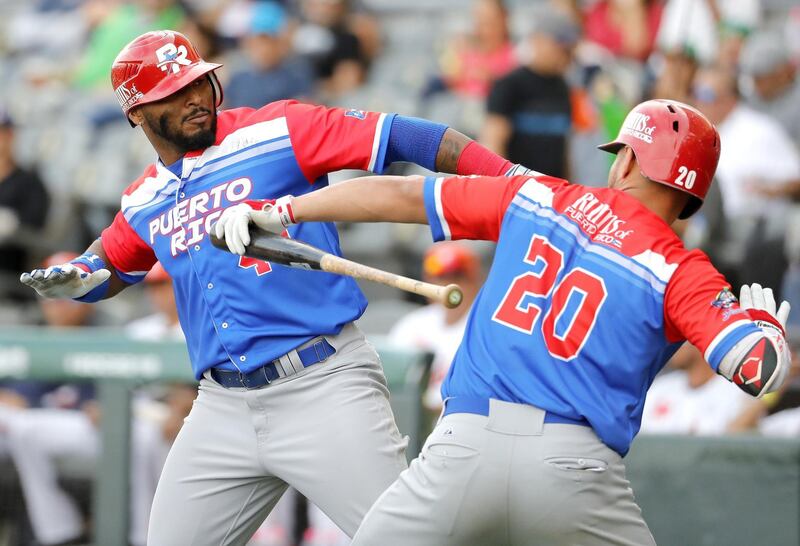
(172, 133)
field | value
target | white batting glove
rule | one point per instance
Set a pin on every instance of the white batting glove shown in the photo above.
(234, 223)
(760, 362)
(64, 281)
(756, 297)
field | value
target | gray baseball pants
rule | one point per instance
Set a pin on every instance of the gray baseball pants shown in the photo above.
(508, 479)
(328, 431)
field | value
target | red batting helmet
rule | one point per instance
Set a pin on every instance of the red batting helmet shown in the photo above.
(156, 65)
(674, 144)
(451, 258)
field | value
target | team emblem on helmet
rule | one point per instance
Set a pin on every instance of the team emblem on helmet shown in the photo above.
(638, 126)
(171, 57)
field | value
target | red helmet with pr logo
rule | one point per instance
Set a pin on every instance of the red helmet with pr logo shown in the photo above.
(156, 65)
(674, 144)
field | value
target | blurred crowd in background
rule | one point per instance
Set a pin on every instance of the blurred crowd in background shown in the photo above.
(539, 81)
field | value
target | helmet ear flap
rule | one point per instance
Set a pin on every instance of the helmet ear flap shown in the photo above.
(217, 88)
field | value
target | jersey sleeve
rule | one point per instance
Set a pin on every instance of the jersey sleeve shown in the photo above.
(331, 139)
(469, 207)
(130, 256)
(700, 307)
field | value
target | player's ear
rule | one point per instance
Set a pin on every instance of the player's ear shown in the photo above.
(136, 116)
(627, 162)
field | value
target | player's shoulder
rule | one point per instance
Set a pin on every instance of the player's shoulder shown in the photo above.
(231, 120)
(538, 187)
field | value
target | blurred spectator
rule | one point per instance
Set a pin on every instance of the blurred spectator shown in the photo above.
(43, 422)
(271, 74)
(163, 324)
(757, 164)
(472, 62)
(708, 30)
(339, 44)
(63, 427)
(675, 74)
(434, 327)
(529, 112)
(24, 202)
(626, 28)
(124, 23)
(204, 38)
(50, 28)
(692, 399)
(770, 78)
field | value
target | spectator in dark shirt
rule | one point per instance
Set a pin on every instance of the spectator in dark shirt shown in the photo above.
(272, 74)
(529, 112)
(23, 204)
(337, 42)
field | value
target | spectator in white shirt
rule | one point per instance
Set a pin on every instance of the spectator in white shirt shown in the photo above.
(757, 166)
(435, 328)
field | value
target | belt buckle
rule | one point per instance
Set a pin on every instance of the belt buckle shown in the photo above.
(321, 345)
(264, 370)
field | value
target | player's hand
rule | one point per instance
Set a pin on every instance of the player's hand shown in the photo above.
(233, 225)
(756, 297)
(759, 364)
(64, 281)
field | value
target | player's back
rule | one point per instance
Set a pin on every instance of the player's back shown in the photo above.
(571, 318)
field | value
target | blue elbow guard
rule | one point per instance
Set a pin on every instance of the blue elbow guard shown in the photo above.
(414, 140)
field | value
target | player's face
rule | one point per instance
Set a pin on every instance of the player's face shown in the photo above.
(187, 119)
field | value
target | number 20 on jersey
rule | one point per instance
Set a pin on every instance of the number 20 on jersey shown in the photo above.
(576, 300)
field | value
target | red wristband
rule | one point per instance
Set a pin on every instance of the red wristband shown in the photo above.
(763, 316)
(477, 159)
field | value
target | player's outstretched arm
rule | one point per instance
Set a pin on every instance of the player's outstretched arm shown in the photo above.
(443, 149)
(760, 362)
(398, 199)
(85, 278)
(366, 199)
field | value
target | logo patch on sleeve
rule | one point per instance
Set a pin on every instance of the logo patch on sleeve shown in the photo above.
(725, 299)
(353, 113)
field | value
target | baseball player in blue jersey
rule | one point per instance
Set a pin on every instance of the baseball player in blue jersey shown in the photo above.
(589, 295)
(290, 392)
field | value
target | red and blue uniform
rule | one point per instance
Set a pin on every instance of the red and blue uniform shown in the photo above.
(589, 295)
(237, 312)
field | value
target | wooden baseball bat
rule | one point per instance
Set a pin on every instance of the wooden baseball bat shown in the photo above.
(293, 253)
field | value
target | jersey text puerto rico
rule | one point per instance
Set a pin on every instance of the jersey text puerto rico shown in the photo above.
(189, 221)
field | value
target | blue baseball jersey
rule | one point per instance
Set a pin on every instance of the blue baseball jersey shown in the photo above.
(238, 312)
(588, 296)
